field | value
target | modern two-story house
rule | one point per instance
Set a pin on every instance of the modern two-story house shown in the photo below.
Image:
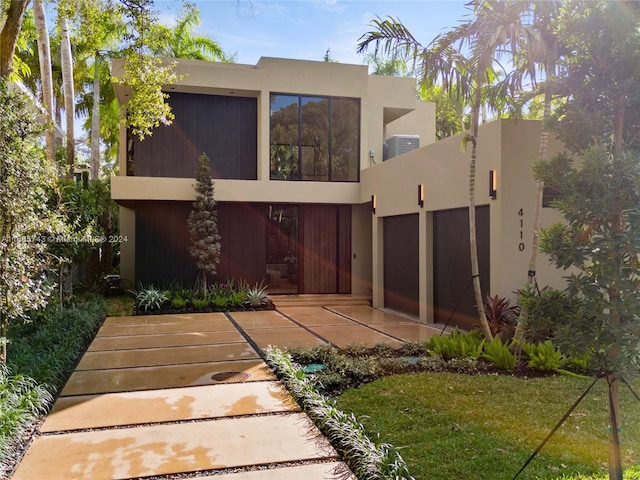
(328, 180)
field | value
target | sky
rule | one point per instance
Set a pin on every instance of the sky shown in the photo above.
(305, 29)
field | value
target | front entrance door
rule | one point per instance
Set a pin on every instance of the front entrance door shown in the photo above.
(309, 249)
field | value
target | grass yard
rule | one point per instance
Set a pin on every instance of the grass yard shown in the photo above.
(120, 305)
(471, 427)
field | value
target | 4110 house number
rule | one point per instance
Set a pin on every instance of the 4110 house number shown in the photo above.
(521, 244)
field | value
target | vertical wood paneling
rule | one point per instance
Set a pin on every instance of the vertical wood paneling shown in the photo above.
(225, 128)
(242, 228)
(162, 243)
(318, 232)
(453, 292)
(344, 249)
(401, 264)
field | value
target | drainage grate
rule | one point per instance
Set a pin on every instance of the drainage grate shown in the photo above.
(231, 377)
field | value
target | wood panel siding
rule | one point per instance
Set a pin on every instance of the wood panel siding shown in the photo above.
(225, 128)
(454, 300)
(162, 242)
(242, 228)
(344, 249)
(325, 249)
(401, 264)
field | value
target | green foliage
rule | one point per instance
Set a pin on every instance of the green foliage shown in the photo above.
(25, 176)
(457, 345)
(501, 315)
(257, 296)
(178, 303)
(200, 304)
(150, 298)
(48, 346)
(499, 354)
(202, 224)
(22, 400)
(600, 240)
(546, 309)
(544, 356)
(366, 458)
(147, 109)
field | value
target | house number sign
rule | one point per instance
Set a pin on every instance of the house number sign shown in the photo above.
(521, 244)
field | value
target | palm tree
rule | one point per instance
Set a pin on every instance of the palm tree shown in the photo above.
(182, 41)
(46, 77)
(66, 61)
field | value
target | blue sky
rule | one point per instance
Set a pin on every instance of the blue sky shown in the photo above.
(305, 29)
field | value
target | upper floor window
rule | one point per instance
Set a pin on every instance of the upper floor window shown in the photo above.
(315, 138)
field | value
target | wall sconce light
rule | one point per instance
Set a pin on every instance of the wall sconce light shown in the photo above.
(373, 204)
(493, 184)
(421, 195)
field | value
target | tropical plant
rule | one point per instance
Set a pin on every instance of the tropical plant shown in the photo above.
(499, 354)
(501, 315)
(547, 309)
(180, 41)
(202, 225)
(257, 296)
(544, 356)
(150, 298)
(457, 345)
(25, 175)
(367, 459)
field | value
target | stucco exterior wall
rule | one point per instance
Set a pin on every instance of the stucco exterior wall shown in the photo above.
(507, 146)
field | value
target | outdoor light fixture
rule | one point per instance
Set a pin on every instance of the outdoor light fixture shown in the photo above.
(421, 195)
(493, 184)
(373, 204)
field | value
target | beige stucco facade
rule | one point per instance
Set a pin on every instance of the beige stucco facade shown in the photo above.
(388, 107)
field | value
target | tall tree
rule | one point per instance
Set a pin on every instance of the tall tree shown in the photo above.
(463, 61)
(25, 175)
(203, 225)
(12, 15)
(182, 41)
(46, 76)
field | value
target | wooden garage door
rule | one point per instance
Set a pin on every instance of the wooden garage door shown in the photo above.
(401, 263)
(453, 292)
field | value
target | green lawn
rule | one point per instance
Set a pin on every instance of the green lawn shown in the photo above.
(455, 426)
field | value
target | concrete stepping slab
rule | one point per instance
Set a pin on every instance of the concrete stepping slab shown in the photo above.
(166, 376)
(371, 316)
(166, 340)
(175, 326)
(415, 332)
(261, 319)
(174, 448)
(165, 356)
(344, 335)
(285, 338)
(314, 471)
(167, 405)
(315, 316)
(159, 319)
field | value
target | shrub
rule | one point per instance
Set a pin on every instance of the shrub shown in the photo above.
(150, 299)
(499, 354)
(457, 345)
(256, 296)
(545, 310)
(544, 356)
(200, 304)
(501, 315)
(366, 458)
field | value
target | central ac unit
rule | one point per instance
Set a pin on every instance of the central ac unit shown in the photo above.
(399, 144)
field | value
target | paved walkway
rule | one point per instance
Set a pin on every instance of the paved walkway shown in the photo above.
(188, 396)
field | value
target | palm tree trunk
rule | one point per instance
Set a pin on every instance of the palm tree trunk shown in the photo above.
(44, 57)
(9, 34)
(95, 121)
(473, 242)
(69, 100)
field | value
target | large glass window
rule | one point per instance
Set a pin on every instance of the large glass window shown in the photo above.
(315, 138)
